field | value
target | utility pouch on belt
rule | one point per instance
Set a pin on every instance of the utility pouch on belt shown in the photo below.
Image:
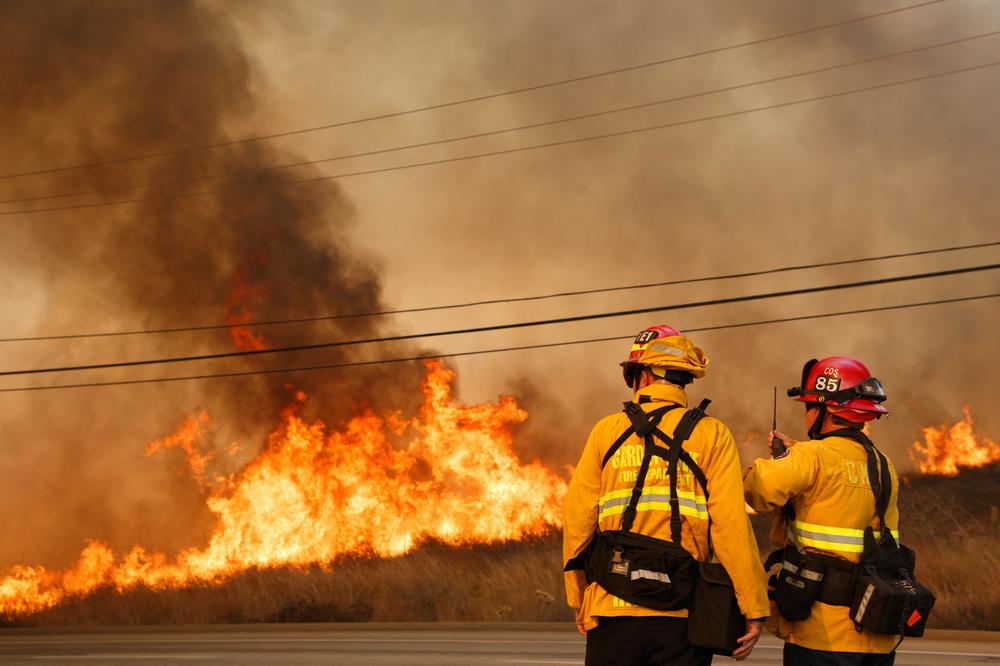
(887, 599)
(798, 583)
(642, 570)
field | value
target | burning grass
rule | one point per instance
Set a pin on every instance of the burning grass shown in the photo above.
(946, 449)
(329, 526)
(951, 522)
(316, 495)
(435, 582)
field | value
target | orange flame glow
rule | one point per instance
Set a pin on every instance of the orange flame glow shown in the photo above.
(244, 292)
(946, 449)
(313, 495)
(190, 439)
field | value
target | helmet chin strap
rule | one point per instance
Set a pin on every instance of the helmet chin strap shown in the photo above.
(633, 376)
(817, 426)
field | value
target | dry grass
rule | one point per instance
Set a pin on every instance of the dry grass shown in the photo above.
(949, 522)
(954, 526)
(511, 581)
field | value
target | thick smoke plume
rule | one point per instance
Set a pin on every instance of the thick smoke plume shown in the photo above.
(94, 81)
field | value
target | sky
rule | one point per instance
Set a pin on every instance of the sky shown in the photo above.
(895, 169)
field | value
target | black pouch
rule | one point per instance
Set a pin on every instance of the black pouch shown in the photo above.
(798, 583)
(715, 621)
(642, 570)
(891, 605)
(887, 598)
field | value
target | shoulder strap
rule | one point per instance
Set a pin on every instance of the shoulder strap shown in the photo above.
(878, 473)
(675, 452)
(641, 423)
(652, 419)
(681, 434)
(690, 420)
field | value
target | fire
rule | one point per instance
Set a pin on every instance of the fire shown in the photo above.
(946, 449)
(190, 439)
(243, 293)
(313, 495)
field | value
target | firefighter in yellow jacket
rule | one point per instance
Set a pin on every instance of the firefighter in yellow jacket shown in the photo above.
(600, 495)
(822, 490)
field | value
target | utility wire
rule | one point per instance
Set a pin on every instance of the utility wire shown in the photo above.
(518, 128)
(496, 301)
(424, 357)
(507, 151)
(508, 326)
(467, 100)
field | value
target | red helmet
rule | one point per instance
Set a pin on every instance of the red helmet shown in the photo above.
(844, 385)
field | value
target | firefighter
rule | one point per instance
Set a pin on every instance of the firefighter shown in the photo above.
(659, 366)
(822, 493)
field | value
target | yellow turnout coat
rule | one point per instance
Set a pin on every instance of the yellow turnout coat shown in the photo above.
(597, 497)
(827, 483)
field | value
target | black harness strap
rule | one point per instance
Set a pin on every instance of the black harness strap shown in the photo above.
(681, 434)
(642, 426)
(633, 503)
(655, 415)
(646, 428)
(676, 452)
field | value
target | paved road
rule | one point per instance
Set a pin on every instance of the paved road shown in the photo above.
(389, 645)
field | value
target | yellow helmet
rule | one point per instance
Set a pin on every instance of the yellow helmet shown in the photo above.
(663, 348)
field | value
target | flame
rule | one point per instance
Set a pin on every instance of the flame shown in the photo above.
(237, 310)
(313, 495)
(946, 449)
(190, 439)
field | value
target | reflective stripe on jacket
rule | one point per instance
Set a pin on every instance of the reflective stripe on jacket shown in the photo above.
(827, 484)
(597, 497)
(839, 540)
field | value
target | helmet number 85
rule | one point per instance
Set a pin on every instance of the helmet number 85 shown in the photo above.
(830, 384)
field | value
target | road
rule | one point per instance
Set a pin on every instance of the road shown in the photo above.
(441, 644)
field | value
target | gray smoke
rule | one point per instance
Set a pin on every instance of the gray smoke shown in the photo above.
(93, 81)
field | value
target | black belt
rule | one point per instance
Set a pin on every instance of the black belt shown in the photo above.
(837, 588)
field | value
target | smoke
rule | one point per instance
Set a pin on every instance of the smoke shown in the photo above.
(896, 169)
(94, 81)
(904, 168)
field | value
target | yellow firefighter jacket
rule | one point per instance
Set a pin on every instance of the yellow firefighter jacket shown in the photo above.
(599, 498)
(827, 483)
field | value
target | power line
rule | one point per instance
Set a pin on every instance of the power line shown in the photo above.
(518, 128)
(496, 301)
(424, 357)
(507, 151)
(509, 326)
(480, 98)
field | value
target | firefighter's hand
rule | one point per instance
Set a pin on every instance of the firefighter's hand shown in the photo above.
(579, 621)
(781, 439)
(748, 640)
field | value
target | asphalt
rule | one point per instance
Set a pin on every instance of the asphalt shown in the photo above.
(468, 644)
